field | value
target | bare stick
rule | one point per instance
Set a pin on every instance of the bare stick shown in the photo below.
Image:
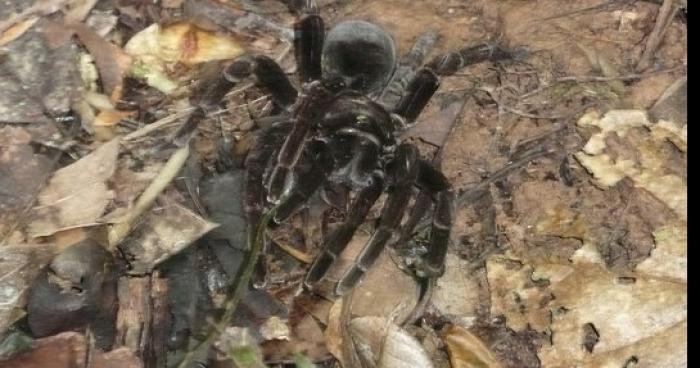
(666, 14)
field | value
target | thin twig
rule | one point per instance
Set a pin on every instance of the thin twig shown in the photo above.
(240, 282)
(515, 111)
(473, 193)
(599, 7)
(663, 20)
(594, 78)
(288, 248)
(150, 128)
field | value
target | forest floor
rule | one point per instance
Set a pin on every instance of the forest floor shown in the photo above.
(124, 243)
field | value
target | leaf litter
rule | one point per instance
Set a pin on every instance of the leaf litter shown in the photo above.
(570, 245)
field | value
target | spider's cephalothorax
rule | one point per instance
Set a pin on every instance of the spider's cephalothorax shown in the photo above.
(339, 130)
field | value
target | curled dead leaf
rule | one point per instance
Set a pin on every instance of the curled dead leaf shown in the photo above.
(181, 42)
(381, 343)
(467, 350)
(112, 62)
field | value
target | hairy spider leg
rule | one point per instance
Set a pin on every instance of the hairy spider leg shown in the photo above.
(280, 181)
(268, 76)
(424, 83)
(421, 206)
(418, 92)
(309, 34)
(433, 186)
(335, 114)
(257, 161)
(405, 172)
(406, 67)
(302, 6)
(452, 62)
(319, 164)
(433, 262)
(338, 239)
(340, 122)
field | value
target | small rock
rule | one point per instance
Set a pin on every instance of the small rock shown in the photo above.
(77, 289)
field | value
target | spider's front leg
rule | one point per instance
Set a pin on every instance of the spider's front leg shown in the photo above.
(265, 145)
(268, 75)
(308, 42)
(425, 82)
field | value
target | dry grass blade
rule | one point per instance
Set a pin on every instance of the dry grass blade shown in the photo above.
(241, 281)
(118, 231)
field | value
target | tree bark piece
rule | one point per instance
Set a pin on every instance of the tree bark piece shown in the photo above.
(142, 321)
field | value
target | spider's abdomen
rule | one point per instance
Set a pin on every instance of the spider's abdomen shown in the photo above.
(360, 53)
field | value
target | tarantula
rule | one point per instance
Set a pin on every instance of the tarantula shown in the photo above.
(341, 128)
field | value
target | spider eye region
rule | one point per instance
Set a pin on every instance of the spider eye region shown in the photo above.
(360, 53)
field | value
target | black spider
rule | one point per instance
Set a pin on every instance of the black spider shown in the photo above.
(340, 130)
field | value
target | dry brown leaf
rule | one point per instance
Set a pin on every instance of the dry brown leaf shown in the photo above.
(371, 297)
(457, 292)
(515, 295)
(19, 265)
(333, 332)
(644, 162)
(69, 349)
(306, 337)
(79, 9)
(467, 350)
(122, 225)
(624, 313)
(112, 62)
(160, 234)
(38, 80)
(76, 195)
(26, 9)
(181, 42)
(275, 328)
(667, 349)
(21, 172)
(673, 103)
(382, 344)
(669, 259)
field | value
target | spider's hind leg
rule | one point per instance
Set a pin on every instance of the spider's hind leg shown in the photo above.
(433, 182)
(338, 239)
(405, 171)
